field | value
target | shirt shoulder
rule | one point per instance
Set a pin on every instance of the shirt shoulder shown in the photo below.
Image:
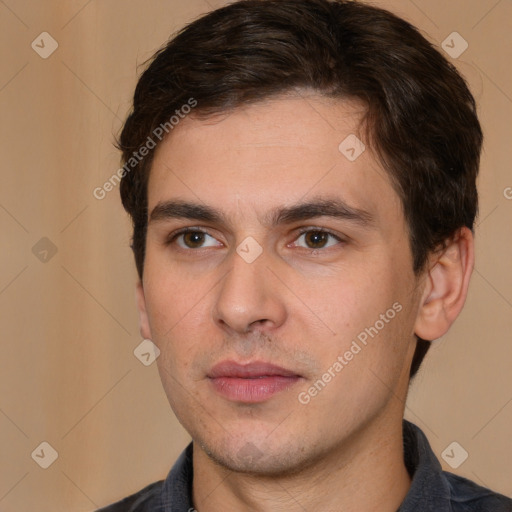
(467, 496)
(435, 490)
(174, 493)
(142, 501)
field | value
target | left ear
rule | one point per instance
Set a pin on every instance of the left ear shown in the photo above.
(446, 286)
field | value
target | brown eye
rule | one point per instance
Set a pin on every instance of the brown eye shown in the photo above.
(193, 239)
(316, 239)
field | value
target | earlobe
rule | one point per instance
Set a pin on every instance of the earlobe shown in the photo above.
(446, 286)
(145, 331)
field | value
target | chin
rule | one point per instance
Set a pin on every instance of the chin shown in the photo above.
(258, 457)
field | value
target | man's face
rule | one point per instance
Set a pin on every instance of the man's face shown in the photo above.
(285, 313)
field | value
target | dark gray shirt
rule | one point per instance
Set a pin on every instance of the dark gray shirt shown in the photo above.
(432, 490)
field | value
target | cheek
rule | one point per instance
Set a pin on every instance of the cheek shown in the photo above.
(349, 301)
(173, 298)
(369, 318)
(180, 323)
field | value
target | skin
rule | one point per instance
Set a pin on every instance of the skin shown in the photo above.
(300, 304)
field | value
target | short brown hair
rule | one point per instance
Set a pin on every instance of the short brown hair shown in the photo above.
(421, 117)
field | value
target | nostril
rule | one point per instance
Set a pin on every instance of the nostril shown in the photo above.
(257, 323)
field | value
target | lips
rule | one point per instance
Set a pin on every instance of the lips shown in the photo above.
(250, 383)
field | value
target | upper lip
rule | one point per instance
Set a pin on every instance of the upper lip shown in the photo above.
(249, 370)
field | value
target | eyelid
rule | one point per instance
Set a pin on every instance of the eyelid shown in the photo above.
(307, 229)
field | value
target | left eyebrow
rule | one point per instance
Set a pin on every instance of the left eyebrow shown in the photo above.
(335, 208)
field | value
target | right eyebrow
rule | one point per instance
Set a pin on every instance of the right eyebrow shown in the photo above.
(185, 210)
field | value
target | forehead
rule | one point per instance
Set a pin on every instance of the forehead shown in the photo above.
(272, 153)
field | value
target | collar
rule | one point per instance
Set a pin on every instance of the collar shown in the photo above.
(429, 489)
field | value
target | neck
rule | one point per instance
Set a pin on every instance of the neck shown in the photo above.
(366, 472)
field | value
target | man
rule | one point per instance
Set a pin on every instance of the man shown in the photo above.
(301, 179)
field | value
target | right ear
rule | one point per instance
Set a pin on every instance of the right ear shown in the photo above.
(145, 331)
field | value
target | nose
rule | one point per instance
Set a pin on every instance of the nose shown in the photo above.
(249, 297)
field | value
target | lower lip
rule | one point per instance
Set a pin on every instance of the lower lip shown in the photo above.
(253, 390)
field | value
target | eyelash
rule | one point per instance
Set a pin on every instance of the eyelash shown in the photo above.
(173, 236)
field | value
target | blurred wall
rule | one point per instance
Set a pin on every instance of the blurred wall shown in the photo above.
(68, 374)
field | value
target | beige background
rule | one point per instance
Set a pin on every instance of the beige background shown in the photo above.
(68, 375)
